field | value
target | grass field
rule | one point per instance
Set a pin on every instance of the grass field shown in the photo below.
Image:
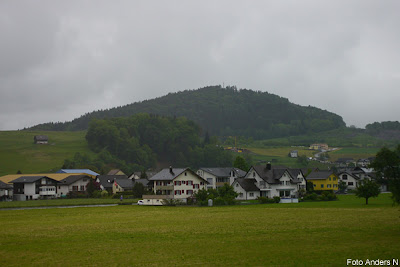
(304, 234)
(353, 152)
(63, 202)
(17, 151)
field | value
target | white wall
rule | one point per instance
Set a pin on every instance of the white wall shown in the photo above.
(188, 177)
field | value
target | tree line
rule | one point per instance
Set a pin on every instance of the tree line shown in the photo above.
(138, 142)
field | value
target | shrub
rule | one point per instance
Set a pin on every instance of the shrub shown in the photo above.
(277, 199)
(265, 200)
(172, 202)
(312, 196)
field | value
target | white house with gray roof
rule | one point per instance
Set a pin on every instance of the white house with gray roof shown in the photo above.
(73, 183)
(275, 181)
(217, 177)
(176, 183)
(34, 187)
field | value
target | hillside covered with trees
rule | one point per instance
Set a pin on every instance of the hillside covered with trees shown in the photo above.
(223, 112)
(141, 141)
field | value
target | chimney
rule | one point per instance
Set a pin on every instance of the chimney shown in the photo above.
(170, 170)
(269, 166)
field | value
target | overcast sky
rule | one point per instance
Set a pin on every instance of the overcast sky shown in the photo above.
(61, 59)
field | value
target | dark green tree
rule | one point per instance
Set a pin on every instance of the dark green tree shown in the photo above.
(342, 186)
(138, 190)
(241, 163)
(387, 167)
(367, 189)
(91, 187)
(302, 160)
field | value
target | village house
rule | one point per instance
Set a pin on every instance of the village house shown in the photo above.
(217, 177)
(34, 187)
(271, 181)
(175, 183)
(323, 180)
(319, 147)
(122, 184)
(293, 154)
(72, 183)
(107, 182)
(41, 139)
(352, 176)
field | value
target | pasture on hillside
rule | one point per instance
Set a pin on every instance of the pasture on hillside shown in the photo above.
(353, 152)
(308, 233)
(18, 152)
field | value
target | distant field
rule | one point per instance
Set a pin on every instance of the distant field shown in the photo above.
(318, 234)
(280, 155)
(353, 152)
(17, 151)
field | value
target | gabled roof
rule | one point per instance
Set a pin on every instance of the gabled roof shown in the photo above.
(114, 172)
(87, 171)
(224, 172)
(247, 184)
(321, 175)
(350, 174)
(72, 179)
(29, 179)
(107, 180)
(169, 174)
(56, 176)
(124, 182)
(41, 138)
(273, 175)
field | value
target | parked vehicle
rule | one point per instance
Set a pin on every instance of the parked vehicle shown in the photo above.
(140, 202)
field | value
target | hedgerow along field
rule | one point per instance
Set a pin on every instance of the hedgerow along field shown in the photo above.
(308, 233)
(18, 152)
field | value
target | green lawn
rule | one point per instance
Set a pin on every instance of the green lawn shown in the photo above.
(304, 234)
(17, 151)
(63, 202)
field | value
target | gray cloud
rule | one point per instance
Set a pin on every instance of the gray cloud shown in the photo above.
(61, 59)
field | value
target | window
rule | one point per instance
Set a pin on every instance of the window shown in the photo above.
(254, 174)
(209, 180)
(177, 182)
(240, 194)
(350, 183)
(196, 186)
(82, 188)
(314, 185)
(335, 185)
(334, 178)
(322, 186)
(75, 188)
(330, 179)
(237, 185)
(189, 192)
(344, 177)
(177, 192)
(284, 193)
(287, 182)
(252, 194)
(328, 186)
(185, 173)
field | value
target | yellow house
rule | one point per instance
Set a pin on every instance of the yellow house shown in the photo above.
(323, 180)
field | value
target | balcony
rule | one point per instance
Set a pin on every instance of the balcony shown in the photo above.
(164, 187)
(47, 191)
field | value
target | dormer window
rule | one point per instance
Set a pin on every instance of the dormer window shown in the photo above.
(254, 174)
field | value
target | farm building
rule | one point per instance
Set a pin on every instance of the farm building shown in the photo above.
(41, 139)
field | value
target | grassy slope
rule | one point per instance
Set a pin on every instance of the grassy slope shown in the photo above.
(17, 151)
(304, 234)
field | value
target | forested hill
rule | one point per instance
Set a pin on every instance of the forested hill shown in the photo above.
(224, 112)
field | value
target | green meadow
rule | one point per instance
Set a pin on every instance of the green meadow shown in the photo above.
(18, 152)
(304, 234)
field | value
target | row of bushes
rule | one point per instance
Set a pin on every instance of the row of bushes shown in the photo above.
(324, 196)
(266, 200)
